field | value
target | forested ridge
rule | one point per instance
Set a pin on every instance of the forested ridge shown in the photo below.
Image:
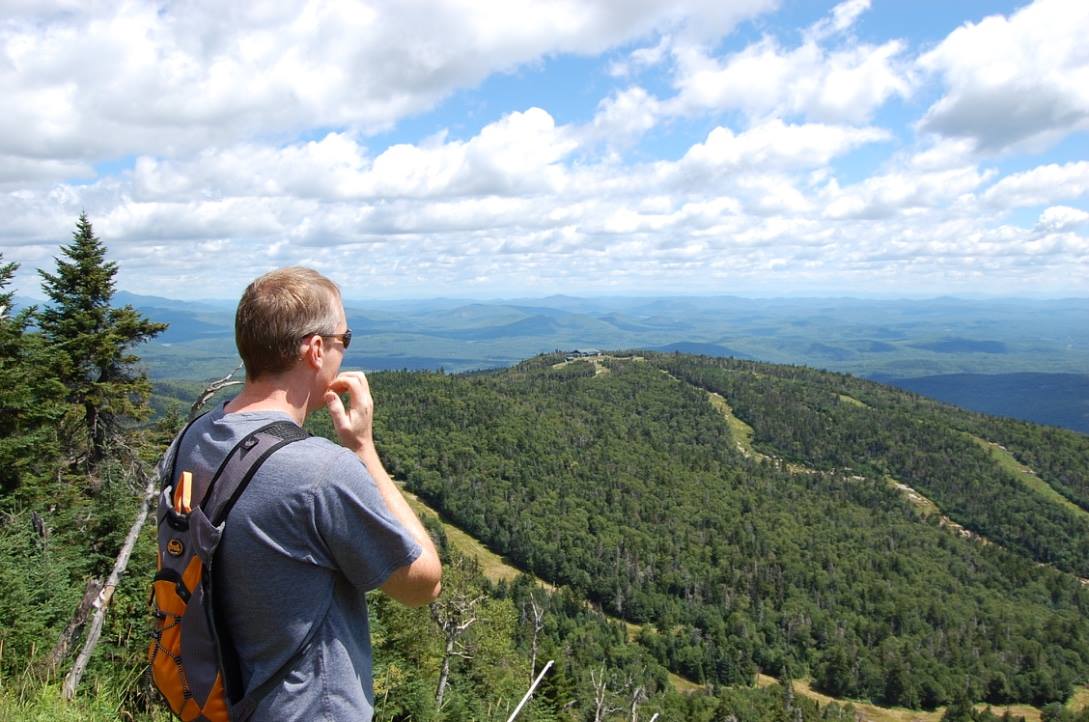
(799, 414)
(627, 486)
(616, 480)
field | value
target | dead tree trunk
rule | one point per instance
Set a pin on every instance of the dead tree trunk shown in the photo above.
(602, 705)
(634, 684)
(103, 599)
(71, 633)
(536, 617)
(638, 697)
(454, 615)
(444, 674)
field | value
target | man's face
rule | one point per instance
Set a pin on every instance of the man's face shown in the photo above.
(332, 358)
(337, 344)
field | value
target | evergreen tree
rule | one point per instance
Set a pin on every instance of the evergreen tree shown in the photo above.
(7, 272)
(91, 340)
(29, 395)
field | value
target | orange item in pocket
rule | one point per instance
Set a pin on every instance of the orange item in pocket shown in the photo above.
(183, 492)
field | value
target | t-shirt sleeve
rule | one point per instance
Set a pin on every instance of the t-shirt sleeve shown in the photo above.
(364, 540)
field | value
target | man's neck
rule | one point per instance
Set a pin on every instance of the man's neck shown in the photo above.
(270, 395)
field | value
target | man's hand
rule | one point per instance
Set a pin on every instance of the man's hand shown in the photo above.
(354, 425)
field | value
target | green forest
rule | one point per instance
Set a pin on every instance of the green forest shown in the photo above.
(685, 552)
(626, 486)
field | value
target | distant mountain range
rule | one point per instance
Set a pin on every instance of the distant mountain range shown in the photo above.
(1016, 357)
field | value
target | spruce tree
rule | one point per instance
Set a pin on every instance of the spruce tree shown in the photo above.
(92, 341)
(7, 272)
(29, 395)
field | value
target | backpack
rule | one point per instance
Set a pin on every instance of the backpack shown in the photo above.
(193, 663)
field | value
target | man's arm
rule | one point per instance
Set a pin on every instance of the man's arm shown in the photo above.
(417, 583)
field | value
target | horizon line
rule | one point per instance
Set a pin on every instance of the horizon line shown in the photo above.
(801, 296)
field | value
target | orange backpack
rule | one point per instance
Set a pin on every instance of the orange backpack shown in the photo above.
(193, 663)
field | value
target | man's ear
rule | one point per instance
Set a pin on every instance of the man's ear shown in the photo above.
(314, 352)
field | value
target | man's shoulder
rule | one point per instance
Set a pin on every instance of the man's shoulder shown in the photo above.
(313, 458)
(319, 461)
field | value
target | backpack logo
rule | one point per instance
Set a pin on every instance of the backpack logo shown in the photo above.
(175, 547)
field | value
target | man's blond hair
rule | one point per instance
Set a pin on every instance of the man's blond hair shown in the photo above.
(277, 311)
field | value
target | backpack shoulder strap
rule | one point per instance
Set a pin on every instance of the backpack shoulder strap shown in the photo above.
(224, 490)
(244, 708)
(167, 467)
(238, 468)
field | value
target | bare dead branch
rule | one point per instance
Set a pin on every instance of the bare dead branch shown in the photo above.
(211, 389)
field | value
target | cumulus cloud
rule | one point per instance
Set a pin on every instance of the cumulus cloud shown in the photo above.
(625, 115)
(1041, 185)
(1023, 78)
(943, 154)
(738, 205)
(1061, 218)
(773, 163)
(519, 153)
(764, 80)
(642, 58)
(100, 80)
(901, 192)
(16, 170)
(843, 16)
(841, 84)
(775, 144)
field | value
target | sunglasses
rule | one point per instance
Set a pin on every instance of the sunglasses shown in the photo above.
(345, 338)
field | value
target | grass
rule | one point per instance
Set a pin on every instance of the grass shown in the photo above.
(864, 710)
(45, 704)
(1006, 461)
(492, 565)
(739, 430)
(852, 401)
(684, 685)
(1080, 699)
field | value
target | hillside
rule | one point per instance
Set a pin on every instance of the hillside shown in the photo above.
(803, 557)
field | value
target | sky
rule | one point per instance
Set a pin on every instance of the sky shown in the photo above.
(470, 148)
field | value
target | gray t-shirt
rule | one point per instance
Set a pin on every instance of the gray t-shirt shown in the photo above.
(309, 536)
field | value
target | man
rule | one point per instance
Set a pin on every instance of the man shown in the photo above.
(319, 524)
